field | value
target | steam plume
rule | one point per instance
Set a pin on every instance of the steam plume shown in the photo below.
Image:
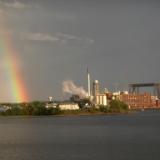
(70, 87)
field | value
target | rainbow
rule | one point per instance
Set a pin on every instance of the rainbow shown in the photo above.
(14, 79)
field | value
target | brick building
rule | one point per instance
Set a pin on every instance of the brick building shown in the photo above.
(136, 101)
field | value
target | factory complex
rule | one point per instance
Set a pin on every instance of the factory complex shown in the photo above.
(95, 98)
(135, 100)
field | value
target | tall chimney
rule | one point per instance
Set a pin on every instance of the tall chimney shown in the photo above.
(89, 83)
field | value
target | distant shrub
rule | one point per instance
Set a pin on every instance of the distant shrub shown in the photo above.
(56, 111)
(27, 109)
(117, 106)
(68, 112)
(38, 108)
(13, 111)
(16, 111)
(103, 108)
(90, 110)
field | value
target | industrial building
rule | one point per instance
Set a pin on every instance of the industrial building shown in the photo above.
(141, 100)
(133, 98)
(68, 106)
(101, 99)
(137, 100)
(98, 98)
(63, 105)
(95, 87)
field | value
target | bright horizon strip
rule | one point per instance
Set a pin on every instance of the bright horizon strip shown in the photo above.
(14, 78)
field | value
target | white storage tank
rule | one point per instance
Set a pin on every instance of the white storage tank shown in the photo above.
(101, 99)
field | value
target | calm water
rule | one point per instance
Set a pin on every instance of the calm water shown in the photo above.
(122, 137)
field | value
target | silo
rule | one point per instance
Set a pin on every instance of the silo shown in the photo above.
(95, 88)
(101, 99)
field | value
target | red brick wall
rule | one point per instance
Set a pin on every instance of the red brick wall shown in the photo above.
(138, 100)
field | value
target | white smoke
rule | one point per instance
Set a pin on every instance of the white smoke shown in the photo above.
(70, 87)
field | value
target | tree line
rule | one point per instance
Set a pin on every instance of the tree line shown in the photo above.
(38, 108)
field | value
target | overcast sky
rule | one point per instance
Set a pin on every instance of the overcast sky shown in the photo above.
(118, 40)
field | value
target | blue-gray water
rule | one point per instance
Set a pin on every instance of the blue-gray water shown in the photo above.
(122, 137)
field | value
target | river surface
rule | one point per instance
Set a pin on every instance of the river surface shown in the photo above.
(120, 137)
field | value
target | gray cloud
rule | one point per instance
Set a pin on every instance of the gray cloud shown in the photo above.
(68, 37)
(15, 4)
(39, 37)
(57, 37)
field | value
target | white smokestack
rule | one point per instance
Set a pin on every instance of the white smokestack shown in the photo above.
(89, 83)
(70, 87)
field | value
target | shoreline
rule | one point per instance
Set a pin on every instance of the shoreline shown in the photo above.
(74, 113)
(70, 115)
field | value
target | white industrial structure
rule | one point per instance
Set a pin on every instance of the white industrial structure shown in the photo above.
(101, 99)
(89, 83)
(50, 98)
(68, 106)
(95, 87)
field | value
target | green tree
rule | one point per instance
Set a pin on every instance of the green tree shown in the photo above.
(27, 108)
(38, 108)
(118, 106)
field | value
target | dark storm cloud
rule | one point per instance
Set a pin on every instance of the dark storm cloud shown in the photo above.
(58, 39)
